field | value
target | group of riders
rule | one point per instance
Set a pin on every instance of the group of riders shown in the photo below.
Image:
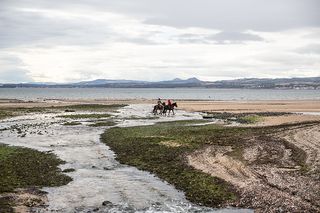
(162, 108)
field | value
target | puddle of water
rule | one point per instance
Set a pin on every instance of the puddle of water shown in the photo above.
(309, 113)
(100, 183)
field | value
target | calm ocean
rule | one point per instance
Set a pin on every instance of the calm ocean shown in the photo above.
(153, 93)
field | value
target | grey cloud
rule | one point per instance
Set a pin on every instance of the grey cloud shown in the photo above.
(224, 37)
(14, 75)
(191, 38)
(27, 28)
(234, 37)
(228, 15)
(11, 71)
(310, 49)
(137, 40)
(233, 17)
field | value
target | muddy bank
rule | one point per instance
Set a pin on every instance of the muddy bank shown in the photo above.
(273, 172)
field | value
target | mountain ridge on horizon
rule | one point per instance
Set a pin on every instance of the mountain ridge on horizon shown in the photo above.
(253, 83)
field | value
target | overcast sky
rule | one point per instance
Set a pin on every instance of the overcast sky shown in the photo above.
(75, 40)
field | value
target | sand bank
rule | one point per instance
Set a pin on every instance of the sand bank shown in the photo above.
(188, 105)
(311, 107)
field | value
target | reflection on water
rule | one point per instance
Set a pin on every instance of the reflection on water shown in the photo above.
(100, 183)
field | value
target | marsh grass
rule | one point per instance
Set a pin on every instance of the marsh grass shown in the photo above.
(68, 170)
(73, 123)
(249, 119)
(5, 114)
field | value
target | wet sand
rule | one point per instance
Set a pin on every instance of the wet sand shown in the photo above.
(188, 105)
(309, 110)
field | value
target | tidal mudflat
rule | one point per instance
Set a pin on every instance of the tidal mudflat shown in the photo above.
(99, 182)
(123, 159)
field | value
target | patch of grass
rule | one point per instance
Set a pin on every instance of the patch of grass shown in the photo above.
(249, 119)
(68, 170)
(23, 167)
(73, 123)
(5, 114)
(85, 116)
(103, 123)
(245, 118)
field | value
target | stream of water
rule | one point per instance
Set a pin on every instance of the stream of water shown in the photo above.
(100, 183)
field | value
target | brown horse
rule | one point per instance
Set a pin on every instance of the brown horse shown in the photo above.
(169, 108)
(159, 107)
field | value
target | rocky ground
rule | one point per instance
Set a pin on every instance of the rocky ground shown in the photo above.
(272, 174)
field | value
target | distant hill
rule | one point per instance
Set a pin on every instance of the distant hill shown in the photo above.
(268, 83)
(247, 83)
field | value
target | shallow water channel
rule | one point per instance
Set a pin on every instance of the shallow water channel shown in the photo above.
(100, 183)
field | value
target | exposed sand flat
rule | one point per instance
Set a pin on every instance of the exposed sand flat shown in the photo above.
(194, 105)
(5, 103)
(252, 106)
(286, 119)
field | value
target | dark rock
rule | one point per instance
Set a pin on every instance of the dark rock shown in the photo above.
(107, 203)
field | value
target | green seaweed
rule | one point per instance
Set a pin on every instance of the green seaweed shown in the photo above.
(23, 167)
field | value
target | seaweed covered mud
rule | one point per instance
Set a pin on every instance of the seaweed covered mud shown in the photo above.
(269, 169)
(95, 181)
